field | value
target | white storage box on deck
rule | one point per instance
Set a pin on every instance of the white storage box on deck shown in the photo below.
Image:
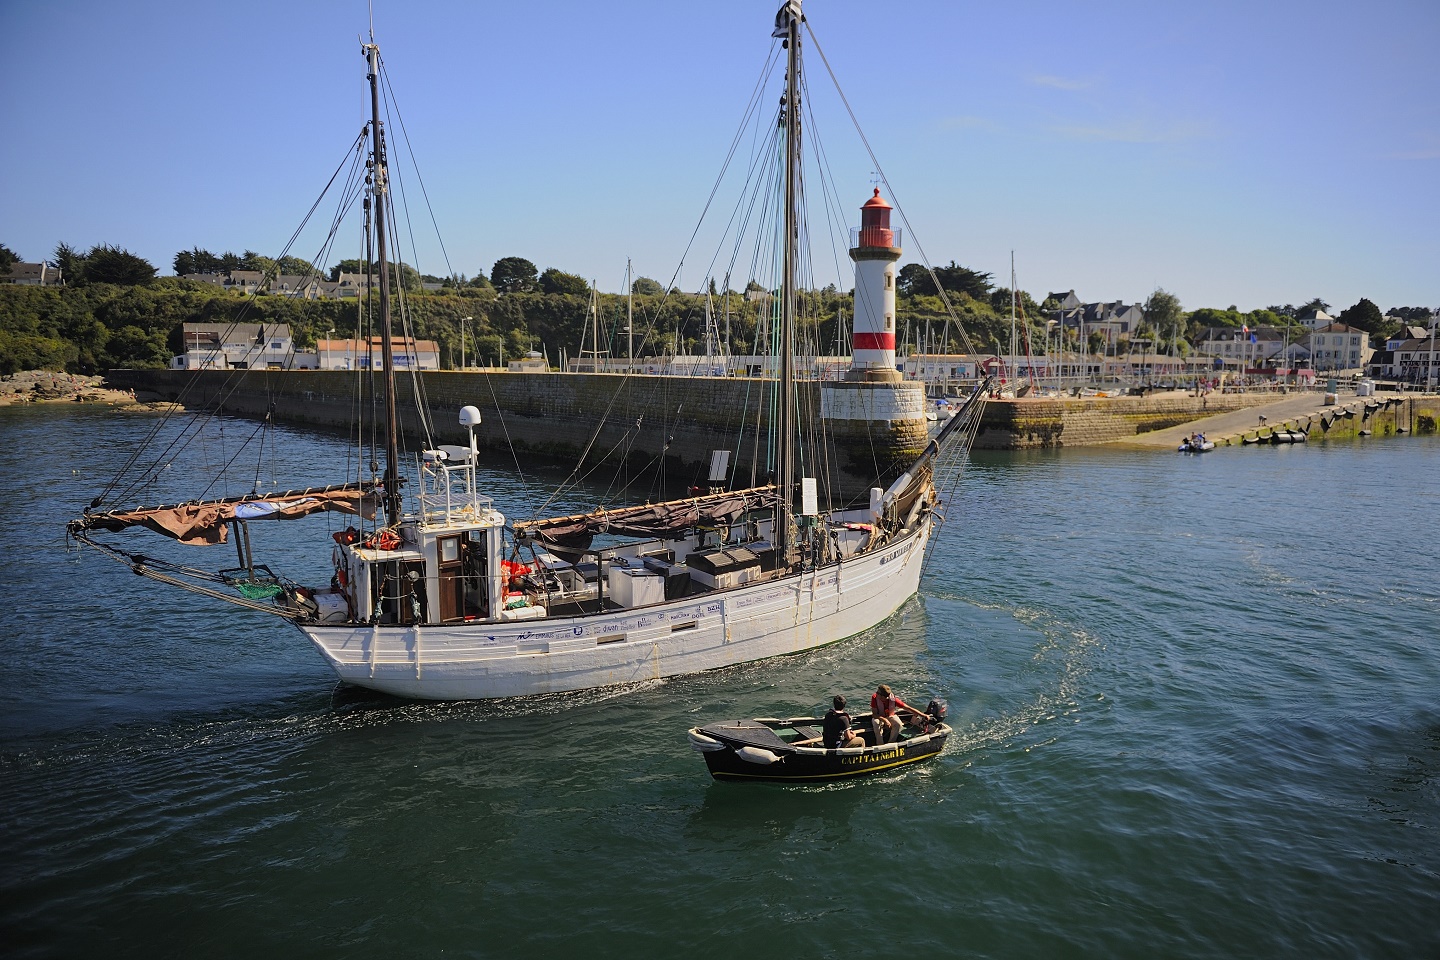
(333, 608)
(631, 587)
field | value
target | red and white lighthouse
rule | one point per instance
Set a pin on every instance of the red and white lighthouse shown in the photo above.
(876, 249)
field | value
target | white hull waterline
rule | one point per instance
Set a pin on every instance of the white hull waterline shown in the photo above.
(783, 616)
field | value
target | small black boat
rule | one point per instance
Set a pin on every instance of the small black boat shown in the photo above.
(791, 750)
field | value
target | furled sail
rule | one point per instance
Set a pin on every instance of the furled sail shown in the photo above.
(206, 522)
(670, 518)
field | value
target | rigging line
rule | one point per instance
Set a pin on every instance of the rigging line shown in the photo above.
(410, 335)
(178, 403)
(827, 180)
(755, 98)
(965, 337)
(759, 156)
(626, 439)
(595, 435)
(504, 428)
(771, 57)
(224, 471)
(754, 203)
(260, 457)
(405, 135)
(141, 566)
(408, 326)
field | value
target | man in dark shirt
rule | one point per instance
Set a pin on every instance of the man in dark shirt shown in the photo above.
(836, 727)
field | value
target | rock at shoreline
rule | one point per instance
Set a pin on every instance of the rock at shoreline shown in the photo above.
(38, 386)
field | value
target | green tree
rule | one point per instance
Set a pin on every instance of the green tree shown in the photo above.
(133, 346)
(915, 280)
(400, 272)
(108, 264)
(197, 260)
(645, 287)
(7, 257)
(513, 275)
(30, 352)
(1266, 318)
(70, 261)
(255, 261)
(1315, 304)
(557, 281)
(1418, 315)
(1207, 317)
(1366, 316)
(1025, 304)
(1162, 311)
(295, 266)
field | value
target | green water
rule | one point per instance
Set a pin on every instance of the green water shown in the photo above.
(1195, 704)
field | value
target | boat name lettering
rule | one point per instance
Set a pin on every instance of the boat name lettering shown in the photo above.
(893, 554)
(866, 758)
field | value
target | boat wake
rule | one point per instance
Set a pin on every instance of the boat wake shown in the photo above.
(1059, 659)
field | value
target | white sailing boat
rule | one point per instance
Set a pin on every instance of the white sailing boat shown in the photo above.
(439, 599)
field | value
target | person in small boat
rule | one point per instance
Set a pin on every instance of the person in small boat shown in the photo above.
(883, 707)
(836, 727)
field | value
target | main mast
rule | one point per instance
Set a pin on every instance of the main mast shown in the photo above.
(379, 187)
(787, 25)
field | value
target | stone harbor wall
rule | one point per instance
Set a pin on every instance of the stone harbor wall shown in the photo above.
(1078, 422)
(633, 422)
(626, 422)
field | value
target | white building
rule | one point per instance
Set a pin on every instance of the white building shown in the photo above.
(366, 354)
(236, 346)
(1246, 346)
(1338, 348)
(1315, 318)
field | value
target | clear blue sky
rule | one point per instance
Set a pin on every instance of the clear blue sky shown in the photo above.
(1243, 153)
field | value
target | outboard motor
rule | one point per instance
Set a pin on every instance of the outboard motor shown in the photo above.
(936, 711)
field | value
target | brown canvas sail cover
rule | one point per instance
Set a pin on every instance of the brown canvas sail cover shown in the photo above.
(206, 522)
(669, 519)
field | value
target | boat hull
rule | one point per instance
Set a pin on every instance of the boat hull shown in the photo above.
(490, 659)
(736, 760)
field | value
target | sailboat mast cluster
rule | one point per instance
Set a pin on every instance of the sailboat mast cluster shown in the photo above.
(379, 195)
(447, 599)
(784, 530)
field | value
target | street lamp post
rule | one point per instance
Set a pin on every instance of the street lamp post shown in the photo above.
(1430, 367)
(464, 322)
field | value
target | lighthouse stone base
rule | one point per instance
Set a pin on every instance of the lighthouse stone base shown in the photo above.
(879, 428)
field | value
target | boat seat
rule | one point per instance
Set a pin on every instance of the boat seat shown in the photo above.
(807, 733)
